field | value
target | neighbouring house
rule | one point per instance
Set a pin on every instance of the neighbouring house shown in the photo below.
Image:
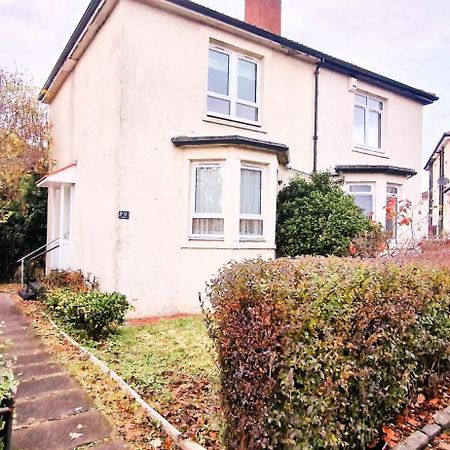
(174, 126)
(438, 168)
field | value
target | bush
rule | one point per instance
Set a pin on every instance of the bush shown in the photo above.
(92, 312)
(8, 386)
(316, 217)
(318, 353)
(74, 280)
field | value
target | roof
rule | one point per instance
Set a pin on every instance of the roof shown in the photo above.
(437, 149)
(281, 150)
(326, 61)
(391, 170)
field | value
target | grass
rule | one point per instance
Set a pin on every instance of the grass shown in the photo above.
(171, 364)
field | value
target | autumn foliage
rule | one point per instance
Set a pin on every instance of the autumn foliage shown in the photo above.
(320, 352)
(24, 146)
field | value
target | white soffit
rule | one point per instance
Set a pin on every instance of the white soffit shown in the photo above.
(66, 175)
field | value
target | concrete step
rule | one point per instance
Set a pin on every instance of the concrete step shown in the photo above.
(51, 407)
(63, 434)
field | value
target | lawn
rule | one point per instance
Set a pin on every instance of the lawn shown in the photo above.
(171, 364)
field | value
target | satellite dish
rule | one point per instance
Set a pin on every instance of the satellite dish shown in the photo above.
(443, 181)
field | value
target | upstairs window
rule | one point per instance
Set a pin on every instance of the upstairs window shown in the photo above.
(368, 114)
(207, 214)
(363, 197)
(233, 86)
(251, 219)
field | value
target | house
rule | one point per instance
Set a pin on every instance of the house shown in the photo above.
(439, 188)
(174, 127)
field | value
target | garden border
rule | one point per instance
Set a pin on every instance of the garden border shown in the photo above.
(169, 429)
(421, 438)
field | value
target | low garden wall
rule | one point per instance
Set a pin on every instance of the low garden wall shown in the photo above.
(318, 352)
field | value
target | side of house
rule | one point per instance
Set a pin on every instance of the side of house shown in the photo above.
(180, 124)
(438, 167)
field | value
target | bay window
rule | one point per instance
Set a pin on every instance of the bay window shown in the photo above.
(368, 114)
(233, 86)
(391, 210)
(250, 220)
(207, 214)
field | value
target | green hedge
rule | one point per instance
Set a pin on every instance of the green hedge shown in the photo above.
(318, 353)
(92, 312)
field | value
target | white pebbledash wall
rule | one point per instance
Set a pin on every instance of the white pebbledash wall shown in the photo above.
(143, 81)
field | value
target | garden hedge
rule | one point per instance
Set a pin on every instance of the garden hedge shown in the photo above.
(318, 353)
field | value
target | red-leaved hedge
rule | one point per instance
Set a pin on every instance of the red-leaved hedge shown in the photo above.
(316, 353)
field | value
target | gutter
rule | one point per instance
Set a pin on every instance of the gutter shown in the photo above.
(431, 159)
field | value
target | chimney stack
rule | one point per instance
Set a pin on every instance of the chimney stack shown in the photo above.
(264, 14)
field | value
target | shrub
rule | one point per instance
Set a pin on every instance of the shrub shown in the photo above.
(316, 217)
(370, 243)
(92, 312)
(317, 353)
(8, 386)
(74, 280)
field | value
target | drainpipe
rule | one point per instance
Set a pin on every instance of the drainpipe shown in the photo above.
(441, 194)
(316, 114)
(430, 201)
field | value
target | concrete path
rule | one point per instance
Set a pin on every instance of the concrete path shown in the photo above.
(52, 411)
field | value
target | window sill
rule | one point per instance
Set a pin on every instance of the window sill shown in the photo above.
(221, 245)
(370, 151)
(206, 238)
(234, 124)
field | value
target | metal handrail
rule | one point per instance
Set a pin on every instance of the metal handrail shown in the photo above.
(32, 256)
(35, 251)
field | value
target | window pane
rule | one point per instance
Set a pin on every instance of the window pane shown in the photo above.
(250, 191)
(360, 188)
(247, 81)
(365, 203)
(375, 104)
(208, 189)
(247, 112)
(218, 72)
(392, 190)
(251, 227)
(374, 130)
(207, 226)
(358, 126)
(360, 99)
(218, 105)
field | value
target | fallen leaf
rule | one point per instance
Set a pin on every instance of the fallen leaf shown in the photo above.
(79, 426)
(156, 443)
(420, 398)
(75, 435)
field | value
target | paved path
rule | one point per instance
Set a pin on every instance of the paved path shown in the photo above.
(52, 411)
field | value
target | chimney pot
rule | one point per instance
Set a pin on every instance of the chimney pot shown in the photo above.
(264, 14)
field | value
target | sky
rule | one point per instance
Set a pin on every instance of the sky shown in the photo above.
(407, 40)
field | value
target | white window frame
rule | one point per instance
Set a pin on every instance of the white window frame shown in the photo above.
(362, 193)
(232, 97)
(368, 108)
(194, 215)
(261, 216)
(397, 196)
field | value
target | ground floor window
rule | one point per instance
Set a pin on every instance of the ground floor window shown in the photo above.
(363, 197)
(251, 221)
(207, 214)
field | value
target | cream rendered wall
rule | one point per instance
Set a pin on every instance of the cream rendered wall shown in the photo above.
(164, 77)
(85, 127)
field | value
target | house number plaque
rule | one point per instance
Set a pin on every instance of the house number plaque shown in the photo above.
(124, 215)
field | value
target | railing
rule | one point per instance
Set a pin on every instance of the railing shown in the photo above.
(42, 250)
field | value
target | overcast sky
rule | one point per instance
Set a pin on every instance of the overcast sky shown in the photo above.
(408, 40)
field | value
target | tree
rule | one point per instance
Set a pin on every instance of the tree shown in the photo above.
(316, 217)
(24, 150)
